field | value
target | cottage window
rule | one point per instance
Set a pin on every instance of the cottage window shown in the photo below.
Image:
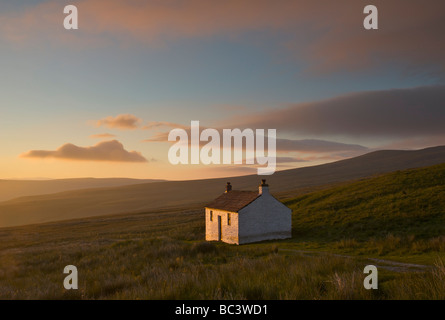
(228, 219)
(211, 215)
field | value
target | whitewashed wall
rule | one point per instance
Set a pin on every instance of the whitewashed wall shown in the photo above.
(265, 219)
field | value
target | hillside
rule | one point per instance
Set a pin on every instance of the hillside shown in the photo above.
(10, 189)
(404, 204)
(177, 194)
(162, 254)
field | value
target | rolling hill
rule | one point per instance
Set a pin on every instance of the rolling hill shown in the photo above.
(177, 194)
(10, 189)
(162, 254)
(401, 203)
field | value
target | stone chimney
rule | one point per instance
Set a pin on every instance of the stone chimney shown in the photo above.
(263, 188)
(228, 187)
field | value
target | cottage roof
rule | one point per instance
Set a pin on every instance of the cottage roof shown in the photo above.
(234, 200)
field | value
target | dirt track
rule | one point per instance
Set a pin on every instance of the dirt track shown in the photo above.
(379, 263)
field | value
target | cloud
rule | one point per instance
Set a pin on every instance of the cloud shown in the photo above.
(314, 145)
(102, 136)
(285, 145)
(414, 116)
(103, 151)
(122, 122)
(409, 35)
(162, 124)
(160, 137)
(399, 113)
(416, 143)
(328, 34)
(289, 159)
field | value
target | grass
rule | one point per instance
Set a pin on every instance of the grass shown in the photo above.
(162, 255)
(399, 215)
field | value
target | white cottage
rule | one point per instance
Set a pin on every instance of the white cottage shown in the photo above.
(247, 216)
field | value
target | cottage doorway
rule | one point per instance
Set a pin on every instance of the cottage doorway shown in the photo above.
(219, 229)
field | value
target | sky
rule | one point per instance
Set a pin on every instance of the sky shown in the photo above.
(100, 101)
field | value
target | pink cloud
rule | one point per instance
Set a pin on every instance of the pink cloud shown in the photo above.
(307, 146)
(112, 151)
(102, 136)
(122, 122)
(152, 125)
(409, 31)
(399, 113)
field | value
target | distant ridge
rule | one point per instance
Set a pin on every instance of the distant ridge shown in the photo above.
(147, 196)
(14, 188)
